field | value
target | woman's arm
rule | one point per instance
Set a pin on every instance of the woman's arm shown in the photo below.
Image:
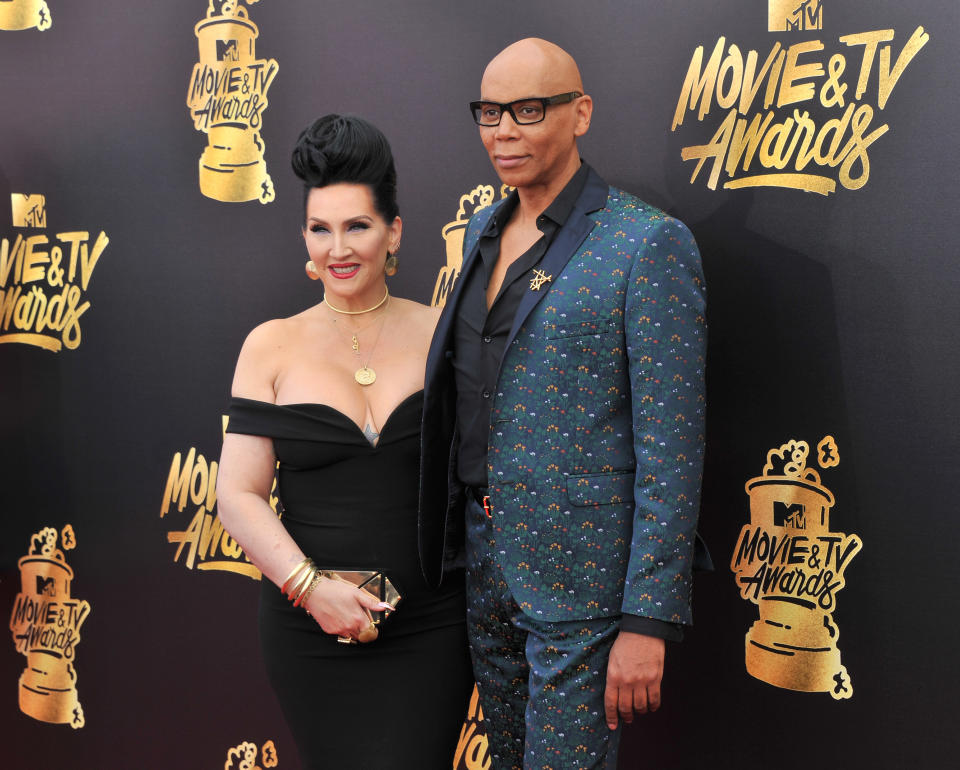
(244, 479)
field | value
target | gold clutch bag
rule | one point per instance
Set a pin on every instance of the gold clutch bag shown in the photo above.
(374, 583)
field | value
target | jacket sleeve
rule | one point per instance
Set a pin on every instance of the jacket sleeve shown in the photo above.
(665, 331)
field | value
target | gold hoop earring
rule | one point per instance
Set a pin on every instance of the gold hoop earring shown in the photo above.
(312, 272)
(392, 264)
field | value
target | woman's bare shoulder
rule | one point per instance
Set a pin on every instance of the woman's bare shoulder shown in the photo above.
(262, 355)
(269, 334)
(279, 333)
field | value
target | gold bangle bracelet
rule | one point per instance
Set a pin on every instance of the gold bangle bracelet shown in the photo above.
(293, 572)
(297, 596)
(301, 582)
(298, 583)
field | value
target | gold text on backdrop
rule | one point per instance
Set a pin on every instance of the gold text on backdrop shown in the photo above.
(473, 750)
(204, 544)
(767, 146)
(42, 280)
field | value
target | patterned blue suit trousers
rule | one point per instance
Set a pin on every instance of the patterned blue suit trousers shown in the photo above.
(541, 683)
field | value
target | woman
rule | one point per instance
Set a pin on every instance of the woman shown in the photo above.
(335, 395)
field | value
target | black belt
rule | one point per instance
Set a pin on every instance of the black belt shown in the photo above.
(477, 493)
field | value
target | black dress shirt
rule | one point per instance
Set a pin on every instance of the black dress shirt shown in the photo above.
(480, 337)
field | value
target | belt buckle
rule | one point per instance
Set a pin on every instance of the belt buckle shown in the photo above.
(486, 506)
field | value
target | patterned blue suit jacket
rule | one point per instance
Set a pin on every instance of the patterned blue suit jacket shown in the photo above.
(597, 427)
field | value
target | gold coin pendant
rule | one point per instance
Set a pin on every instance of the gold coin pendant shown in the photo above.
(365, 375)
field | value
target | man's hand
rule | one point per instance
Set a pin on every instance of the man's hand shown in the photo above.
(634, 672)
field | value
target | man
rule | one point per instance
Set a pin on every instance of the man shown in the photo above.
(564, 415)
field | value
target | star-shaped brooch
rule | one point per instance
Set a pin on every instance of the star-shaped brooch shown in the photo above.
(539, 279)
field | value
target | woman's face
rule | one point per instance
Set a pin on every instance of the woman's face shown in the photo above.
(348, 240)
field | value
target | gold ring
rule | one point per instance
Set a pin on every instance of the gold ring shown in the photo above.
(347, 640)
(368, 634)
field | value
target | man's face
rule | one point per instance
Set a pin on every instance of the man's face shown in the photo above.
(537, 154)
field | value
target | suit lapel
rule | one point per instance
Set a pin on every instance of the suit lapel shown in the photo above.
(441, 338)
(565, 245)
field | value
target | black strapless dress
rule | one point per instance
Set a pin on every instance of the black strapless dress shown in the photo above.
(398, 702)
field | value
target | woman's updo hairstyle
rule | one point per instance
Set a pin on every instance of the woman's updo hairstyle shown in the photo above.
(345, 148)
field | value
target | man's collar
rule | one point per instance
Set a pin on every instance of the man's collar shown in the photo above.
(560, 208)
(502, 215)
(558, 211)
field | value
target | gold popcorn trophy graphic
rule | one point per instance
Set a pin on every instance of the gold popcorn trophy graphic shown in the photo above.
(453, 232)
(244, 757)
(227, 97)
(791, 565)
(24, 14)
(45, 623)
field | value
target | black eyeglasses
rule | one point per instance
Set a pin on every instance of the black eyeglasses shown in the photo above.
(523, 111)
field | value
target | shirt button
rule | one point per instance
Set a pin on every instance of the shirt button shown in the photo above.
(488, 339)
(486, 394)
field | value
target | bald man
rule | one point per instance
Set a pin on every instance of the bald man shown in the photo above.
(563, 429)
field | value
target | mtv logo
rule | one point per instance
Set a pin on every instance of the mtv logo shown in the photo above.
(228, 50)
(794, 15)
(789, 515)
(46, 586)
(28, 210)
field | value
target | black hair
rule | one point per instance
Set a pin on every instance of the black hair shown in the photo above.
(346, 148)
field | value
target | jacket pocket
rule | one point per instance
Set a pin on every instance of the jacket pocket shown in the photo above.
(586, 352)
(591, 489)
(569, 329)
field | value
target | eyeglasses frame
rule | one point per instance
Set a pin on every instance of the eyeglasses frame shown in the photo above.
(545, 101)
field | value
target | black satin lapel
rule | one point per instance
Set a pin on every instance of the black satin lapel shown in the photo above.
(441, 337)
(564, 246)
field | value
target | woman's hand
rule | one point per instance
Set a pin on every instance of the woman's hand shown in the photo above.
(341, 608)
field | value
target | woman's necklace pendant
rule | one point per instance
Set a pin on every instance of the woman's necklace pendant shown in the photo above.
(365, 375)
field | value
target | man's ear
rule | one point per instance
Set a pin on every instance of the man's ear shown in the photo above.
(584, 113)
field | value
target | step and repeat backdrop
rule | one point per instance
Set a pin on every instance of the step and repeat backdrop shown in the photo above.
(149, 219)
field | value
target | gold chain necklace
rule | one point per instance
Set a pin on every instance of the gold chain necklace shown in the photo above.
(364, 375)
(386, 294)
